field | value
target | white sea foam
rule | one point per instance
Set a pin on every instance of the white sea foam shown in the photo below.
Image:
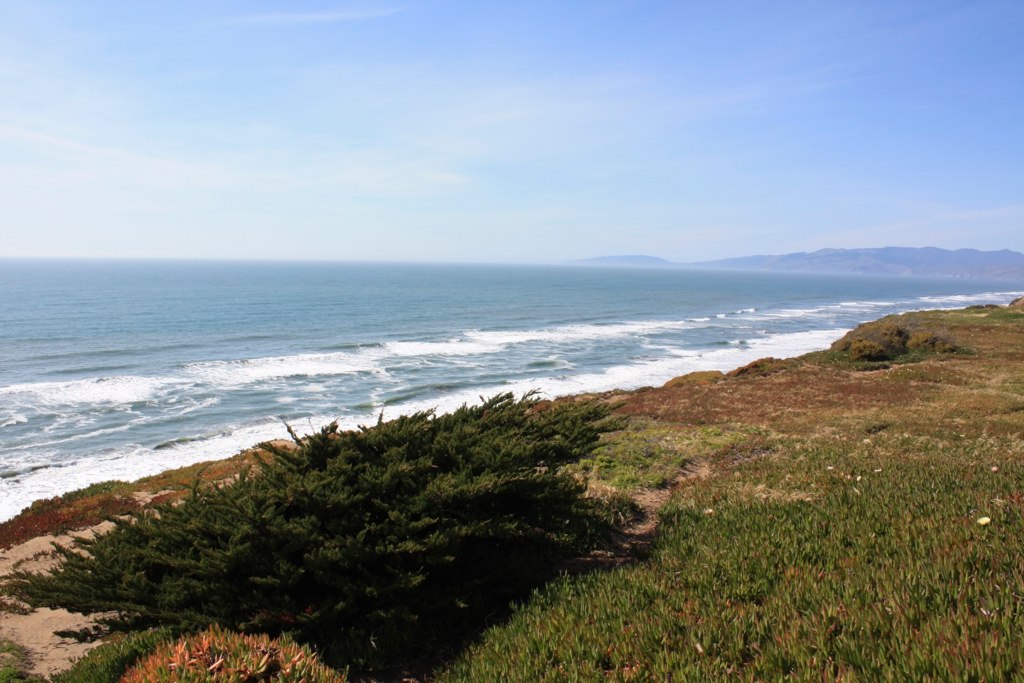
(12, 418)
(634, 375)
(577, 333)
(793, 312)
(134, 461)
(242, 372)
(227, 374)
(864, 304)
(984, 298)
(450, 347)
(101, 390)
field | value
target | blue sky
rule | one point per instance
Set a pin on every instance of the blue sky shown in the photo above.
(508, 131)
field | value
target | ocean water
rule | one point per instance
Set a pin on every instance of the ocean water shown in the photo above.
(117, 370)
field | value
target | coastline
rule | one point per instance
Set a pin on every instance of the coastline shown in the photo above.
(741, 398)
(119, 413)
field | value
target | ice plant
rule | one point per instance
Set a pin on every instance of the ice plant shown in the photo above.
(220, 655)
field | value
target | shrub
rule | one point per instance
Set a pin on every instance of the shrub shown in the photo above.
(698, 377)
(375, 545)
(926, 340)
(108, 662)
(865, 349)
(216, 656)
(761, 367)
(889, 338)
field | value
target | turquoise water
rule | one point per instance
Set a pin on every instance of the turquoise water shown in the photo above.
(122, 369)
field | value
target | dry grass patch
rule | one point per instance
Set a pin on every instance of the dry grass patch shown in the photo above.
(795, 396)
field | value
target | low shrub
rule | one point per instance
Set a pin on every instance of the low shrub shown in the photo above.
(927, 340)
(377, 546)
(761, 367)
(698, 377)
(890, 338)
(220, 656)
(109, 661)
(865, 349)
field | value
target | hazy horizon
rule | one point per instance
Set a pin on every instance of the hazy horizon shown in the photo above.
(580, 261)
(454, 132)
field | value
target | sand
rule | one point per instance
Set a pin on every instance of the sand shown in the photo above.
(47, 652)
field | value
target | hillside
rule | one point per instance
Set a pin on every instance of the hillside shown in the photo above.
(838, 516)
(829, 520)
(919, 262)
(893, 261)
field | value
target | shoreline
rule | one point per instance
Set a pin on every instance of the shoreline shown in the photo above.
(723, 359)
(187, 451)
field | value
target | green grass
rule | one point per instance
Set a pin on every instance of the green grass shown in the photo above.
(13, 662)
(107, 662)
(784, 568)
(648, 455)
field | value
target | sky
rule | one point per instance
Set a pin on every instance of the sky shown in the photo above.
(518, 131)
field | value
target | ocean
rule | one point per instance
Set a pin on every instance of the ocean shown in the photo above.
(120, 369)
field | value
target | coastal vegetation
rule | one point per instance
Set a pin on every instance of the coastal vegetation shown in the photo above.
(830, 517)
(220, 656)
(13, 663)
(890, 338)
(119, 653)
(378, 546)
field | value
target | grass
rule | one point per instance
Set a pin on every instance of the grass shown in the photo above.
(13, 662)
(843, 543)
(809, 564)
(109, 661)
(645, 454)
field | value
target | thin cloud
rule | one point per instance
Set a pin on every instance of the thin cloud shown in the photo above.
(299, 18)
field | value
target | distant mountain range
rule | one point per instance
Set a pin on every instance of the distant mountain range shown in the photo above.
(919, 262)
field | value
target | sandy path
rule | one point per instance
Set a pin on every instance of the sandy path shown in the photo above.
(34, 631)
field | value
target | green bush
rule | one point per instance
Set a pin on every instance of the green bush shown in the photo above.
(108, 662)
(865, 349)
(377, 546)
(219, 656)
(927, 340)
(890, 338)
